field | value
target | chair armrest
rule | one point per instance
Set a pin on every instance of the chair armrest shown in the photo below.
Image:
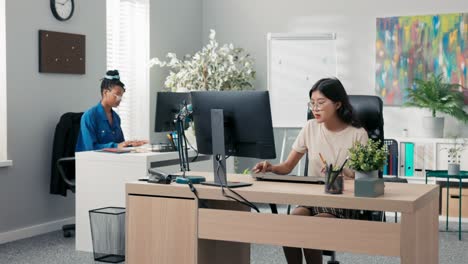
(62, 171)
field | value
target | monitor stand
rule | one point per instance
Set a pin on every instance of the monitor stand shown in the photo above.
(229, 184)
(219, 153)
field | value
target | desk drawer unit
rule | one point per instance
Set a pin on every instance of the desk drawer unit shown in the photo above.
(454, 197)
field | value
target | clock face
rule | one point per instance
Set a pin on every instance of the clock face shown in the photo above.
(62, 9)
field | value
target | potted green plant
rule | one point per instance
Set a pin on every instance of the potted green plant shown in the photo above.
(437, 96)
(367, 159)
(454, 152)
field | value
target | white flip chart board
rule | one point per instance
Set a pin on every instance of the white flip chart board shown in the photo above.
(295, 63)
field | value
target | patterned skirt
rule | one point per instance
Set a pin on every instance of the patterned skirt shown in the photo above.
(337, 212)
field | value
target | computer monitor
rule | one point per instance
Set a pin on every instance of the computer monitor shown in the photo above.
(168, 105)
(233, 123)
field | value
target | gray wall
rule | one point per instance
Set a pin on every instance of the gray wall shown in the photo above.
(35, 103)
(246, 23)
(176, 26)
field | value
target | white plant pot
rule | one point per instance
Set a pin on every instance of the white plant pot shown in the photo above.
(366, 174)
(182, 90)
(453, 169)
(433, 127)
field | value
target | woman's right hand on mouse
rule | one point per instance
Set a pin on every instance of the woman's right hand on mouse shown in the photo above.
(262, 167)
(132, 143)
(125, 144)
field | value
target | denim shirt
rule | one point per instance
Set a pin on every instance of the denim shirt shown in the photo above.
(96, 132)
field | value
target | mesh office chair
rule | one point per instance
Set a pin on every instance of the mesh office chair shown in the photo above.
(63, 159)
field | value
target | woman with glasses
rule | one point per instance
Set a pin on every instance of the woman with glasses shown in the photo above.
(326, 138)
(100, 125)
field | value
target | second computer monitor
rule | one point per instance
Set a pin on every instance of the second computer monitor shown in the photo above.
(248, 130)
(168, 105)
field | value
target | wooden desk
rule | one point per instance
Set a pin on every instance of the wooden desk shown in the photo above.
(166, 225)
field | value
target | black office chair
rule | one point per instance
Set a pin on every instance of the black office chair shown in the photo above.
(63, 159)
(61, 166)
(368, 110)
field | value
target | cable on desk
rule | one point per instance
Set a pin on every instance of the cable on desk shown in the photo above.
(244, 201)
(195, 192)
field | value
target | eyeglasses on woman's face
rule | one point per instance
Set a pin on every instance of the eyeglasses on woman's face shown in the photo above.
(317, 105)
(117, 96)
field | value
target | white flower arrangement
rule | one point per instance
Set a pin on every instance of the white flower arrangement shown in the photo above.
(212, 68)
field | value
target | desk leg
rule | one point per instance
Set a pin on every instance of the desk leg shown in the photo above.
(420, 235)
(447, 206)
(459, 208)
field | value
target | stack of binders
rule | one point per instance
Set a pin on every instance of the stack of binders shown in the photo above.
(407, 159)
(392, 159)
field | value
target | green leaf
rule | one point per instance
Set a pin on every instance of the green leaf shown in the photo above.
(437, 96)
(367, 157)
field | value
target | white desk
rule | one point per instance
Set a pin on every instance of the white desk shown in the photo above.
(100, 182)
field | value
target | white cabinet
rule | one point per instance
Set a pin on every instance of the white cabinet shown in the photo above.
(427, 154)
(442, 161)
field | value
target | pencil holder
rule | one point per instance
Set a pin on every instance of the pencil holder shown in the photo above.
(334, 183)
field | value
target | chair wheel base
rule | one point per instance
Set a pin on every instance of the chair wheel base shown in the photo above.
(333, 262)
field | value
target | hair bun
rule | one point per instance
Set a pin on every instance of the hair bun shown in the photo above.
(114, 74)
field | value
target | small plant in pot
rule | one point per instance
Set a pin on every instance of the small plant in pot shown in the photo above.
(439, 97)
(367, 159)
(454, 155)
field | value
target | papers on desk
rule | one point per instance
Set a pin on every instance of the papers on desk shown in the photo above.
(141, 149)
(115, 150)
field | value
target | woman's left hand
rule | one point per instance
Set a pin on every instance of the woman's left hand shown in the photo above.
(348, 174)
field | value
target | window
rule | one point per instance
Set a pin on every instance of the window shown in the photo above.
(3, 90)
(128, 52)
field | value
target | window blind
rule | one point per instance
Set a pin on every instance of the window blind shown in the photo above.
(3, 88)
(128, 51)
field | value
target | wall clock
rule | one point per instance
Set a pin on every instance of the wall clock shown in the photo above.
(62, 9)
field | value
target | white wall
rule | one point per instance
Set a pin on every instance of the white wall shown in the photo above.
(246, 23)
(35, 103)
(176, 26)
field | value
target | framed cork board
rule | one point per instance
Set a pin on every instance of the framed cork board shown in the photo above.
(61, 52)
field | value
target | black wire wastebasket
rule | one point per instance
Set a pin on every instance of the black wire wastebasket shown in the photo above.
(108, 234)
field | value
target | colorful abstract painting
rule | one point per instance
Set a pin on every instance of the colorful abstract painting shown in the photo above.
(411, 47)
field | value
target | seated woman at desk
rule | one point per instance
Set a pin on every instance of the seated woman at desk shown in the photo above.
(100, 125)
(330, 134)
